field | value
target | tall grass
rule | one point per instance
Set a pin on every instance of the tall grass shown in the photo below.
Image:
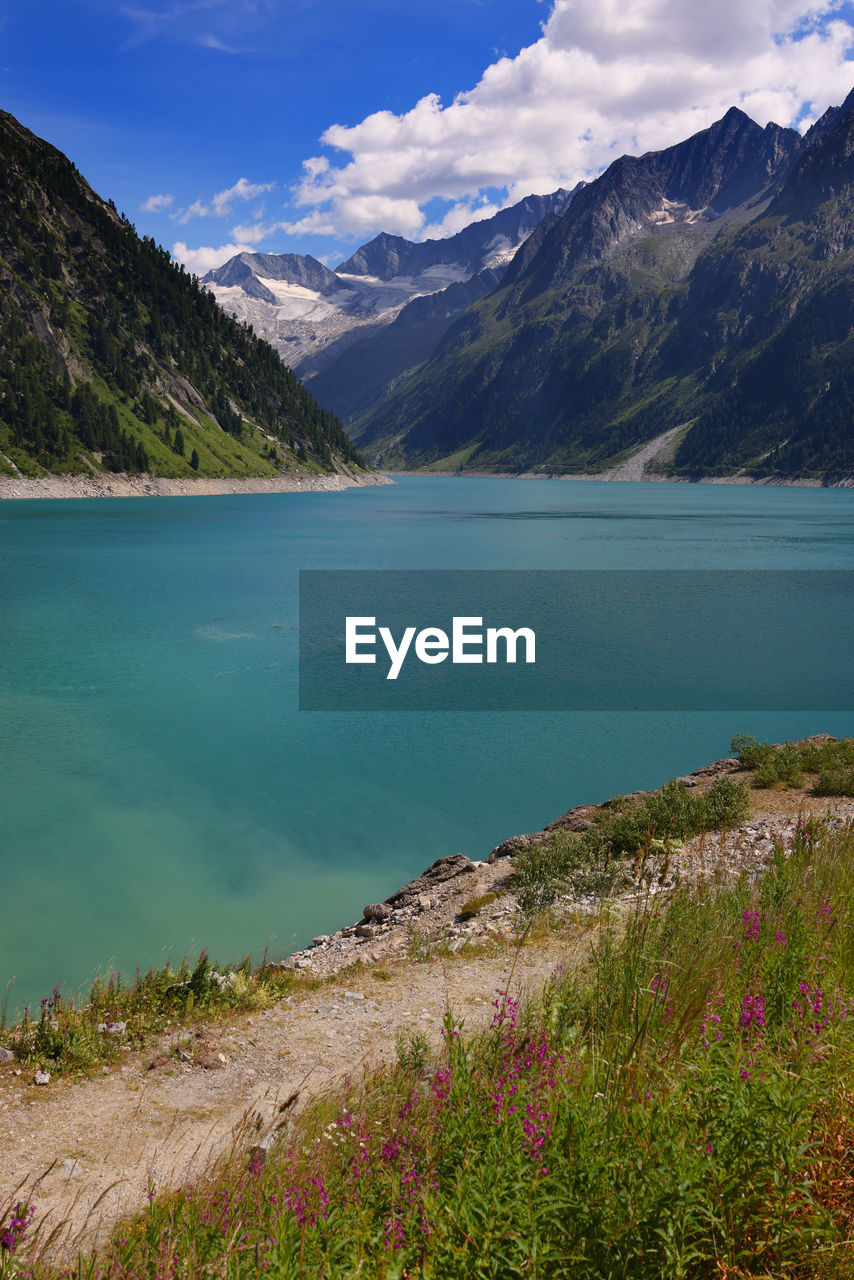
(591, 861)
(831, 763)
(121, 1013)
(676, 1108)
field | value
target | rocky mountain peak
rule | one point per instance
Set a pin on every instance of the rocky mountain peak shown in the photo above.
(477, 246)
(731, 163)
(825, 166)
(291, 268)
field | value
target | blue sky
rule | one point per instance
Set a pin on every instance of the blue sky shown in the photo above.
(283, 125)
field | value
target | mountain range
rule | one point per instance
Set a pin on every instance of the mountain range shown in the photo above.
(690, 312)
(112, 358)
(702, 296)
(352, 332)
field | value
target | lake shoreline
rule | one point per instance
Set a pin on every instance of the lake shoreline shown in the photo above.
(843, 482)
(144, 486)
(452, 939)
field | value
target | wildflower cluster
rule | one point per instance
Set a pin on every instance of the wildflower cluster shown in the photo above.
(675, 1106)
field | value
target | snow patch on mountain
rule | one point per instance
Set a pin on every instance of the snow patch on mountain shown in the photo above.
(301, 307)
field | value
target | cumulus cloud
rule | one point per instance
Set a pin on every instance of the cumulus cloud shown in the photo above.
(606, 77)
(156, 204)
(458, 217)
(206, 258)
(255, 232)
(221, 204)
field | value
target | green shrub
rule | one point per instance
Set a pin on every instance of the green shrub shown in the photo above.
(571, 862)
(835, 781)
(675, 813)
(833, 761)
(751, 754)
(589, 862)
(781, 768)
(725, 804)
(412, 1051)
(474, 906)
(836, 754)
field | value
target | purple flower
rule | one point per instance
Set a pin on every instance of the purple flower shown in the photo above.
(16, 1232)
(752, 1012)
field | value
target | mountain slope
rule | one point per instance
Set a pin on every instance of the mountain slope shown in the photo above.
(656, 302)
(770, 313)
(113, 358)
(351, 379)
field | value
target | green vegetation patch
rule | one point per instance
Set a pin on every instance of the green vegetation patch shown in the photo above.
(590, 862)
(474, 906)
(784, 766)
(68, 1037)
(678, 1105)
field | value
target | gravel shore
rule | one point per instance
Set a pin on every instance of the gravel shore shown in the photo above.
(123, 486)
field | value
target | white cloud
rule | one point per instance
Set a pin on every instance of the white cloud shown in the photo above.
(458, 217)
(220, 205)
(254, 232)
(155, 204)
(211, 24)
(205, 258)
(606, 77)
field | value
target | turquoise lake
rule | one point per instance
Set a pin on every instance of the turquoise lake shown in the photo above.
(162, 793)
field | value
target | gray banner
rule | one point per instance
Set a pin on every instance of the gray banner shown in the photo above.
(633, 640)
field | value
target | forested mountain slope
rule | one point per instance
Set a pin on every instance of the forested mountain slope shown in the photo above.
(113, 358)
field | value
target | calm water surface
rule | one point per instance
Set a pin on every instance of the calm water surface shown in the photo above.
(160, 790)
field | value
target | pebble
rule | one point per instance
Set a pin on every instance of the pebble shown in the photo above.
(6, 1056)
(41, 1077)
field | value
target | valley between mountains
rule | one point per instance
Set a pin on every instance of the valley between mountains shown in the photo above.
(701, 294)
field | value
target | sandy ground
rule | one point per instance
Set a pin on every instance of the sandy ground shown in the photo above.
(95, 1147)
(122, 486)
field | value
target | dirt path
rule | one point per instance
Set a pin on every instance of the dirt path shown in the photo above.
(106, 1141)
(95, 1147)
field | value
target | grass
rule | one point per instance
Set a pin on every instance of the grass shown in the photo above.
(65, 1037)
(677, 1107)
(474, 906)
(591, 862)
(831, 764)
